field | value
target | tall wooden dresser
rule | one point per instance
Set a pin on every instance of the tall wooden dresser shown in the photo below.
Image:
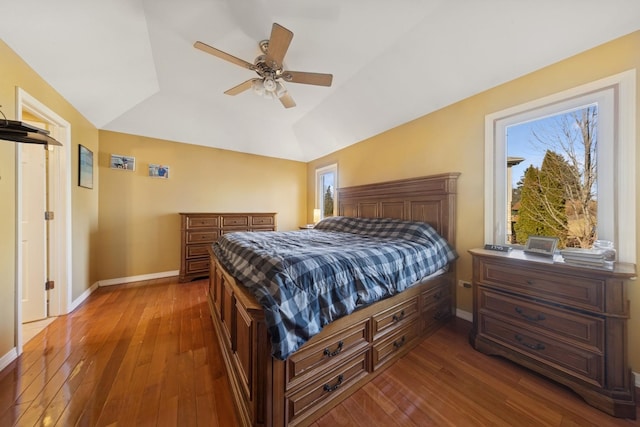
(199, 230)
(565, 322)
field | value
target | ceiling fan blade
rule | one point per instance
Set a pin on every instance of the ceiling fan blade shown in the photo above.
(287, 101)
(317, 79)
(278, 45)
(240, 88)
(223, 55)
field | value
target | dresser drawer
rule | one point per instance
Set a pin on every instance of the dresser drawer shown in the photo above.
(385, 349)
(435, 296)
(235, 220)
(303, 363)
(436, 314)
(201, 222)
(587, 365)
(585, 331)
(570, 290)
(197, 251)
(199, 265)
(234, 230)
(394, 317)
(202, 236)
(303, 402)
(262, 220)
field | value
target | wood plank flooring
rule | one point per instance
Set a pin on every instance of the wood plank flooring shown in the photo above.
(146, 355)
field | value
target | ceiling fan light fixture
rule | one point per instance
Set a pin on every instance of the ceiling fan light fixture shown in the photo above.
(268, 88)
(280, 90)
(270, 85)
(258, 87)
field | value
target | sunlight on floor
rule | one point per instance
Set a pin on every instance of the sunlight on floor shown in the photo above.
(31, 329)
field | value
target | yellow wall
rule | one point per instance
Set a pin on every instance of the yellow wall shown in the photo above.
(452, 139)
(15, 72)
(139, 229)
(7, 242)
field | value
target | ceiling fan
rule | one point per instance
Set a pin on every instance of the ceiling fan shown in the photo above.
(269, 66)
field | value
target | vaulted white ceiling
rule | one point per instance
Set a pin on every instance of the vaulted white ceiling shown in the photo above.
(130, 65)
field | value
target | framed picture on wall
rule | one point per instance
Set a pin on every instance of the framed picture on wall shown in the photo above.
(85, 169)
(159, 171)
(126, 163)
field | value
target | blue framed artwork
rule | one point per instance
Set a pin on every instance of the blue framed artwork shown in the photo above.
(85, 168)
(159, 171)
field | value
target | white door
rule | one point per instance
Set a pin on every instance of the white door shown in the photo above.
(34, 236)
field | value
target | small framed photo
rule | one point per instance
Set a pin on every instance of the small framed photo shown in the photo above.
(541, 245)
(85, 167)
(123, 162)
(159, 171)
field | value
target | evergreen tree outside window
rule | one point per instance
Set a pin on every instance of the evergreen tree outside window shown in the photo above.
(556, 196)
(326, 184)
(327, 208)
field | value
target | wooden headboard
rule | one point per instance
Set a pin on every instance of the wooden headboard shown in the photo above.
(430, 199)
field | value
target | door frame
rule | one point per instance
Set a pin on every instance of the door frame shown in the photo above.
(60, 298)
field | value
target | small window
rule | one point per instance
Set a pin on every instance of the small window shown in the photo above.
(326, 184)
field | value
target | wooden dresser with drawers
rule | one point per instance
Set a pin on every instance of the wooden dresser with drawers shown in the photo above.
(200, 230)
(566, 322)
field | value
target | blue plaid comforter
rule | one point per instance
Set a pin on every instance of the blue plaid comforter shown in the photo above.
(306, 279)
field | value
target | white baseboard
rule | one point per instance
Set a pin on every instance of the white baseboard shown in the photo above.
(119, 281)
(131, 279)
(464, 315)
(75, 303)
(8, 358)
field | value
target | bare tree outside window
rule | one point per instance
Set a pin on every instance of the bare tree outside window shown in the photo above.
(556, 193)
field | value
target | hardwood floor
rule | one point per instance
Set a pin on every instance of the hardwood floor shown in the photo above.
(145, 355)
(130, 355)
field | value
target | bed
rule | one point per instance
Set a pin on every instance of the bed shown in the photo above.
(292, 384)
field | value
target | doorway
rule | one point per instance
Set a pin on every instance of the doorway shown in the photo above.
(55, 167)
(34, 240)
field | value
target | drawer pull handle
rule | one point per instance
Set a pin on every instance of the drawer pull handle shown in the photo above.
(537, 346)
(437, 295)
(398, 317)
(440, 315)
(530, 282)
(399, 343)
(537, 318)
(331, 388)
(337, 351)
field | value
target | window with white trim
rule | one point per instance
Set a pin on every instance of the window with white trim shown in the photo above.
(326, 185)
(613, 195)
